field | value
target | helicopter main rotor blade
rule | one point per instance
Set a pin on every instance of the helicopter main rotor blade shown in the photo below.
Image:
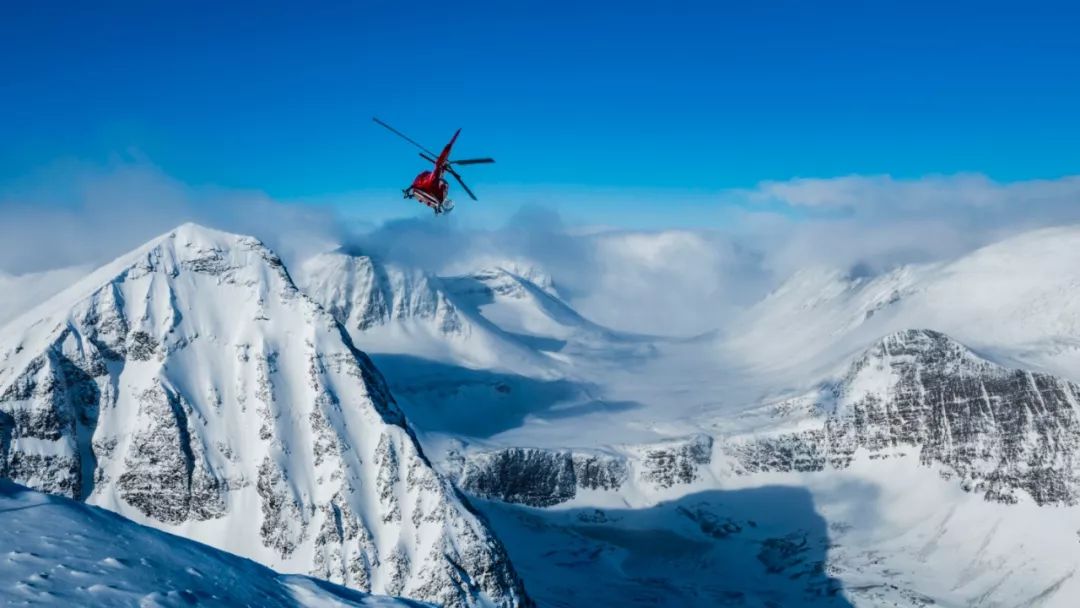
(472, 161)
(402, 135)
(428, 157)
(462, 182)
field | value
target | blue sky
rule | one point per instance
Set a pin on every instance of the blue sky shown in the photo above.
(569, 97)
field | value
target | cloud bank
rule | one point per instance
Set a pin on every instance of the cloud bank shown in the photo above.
(664, 281)
(76, 214)
(879, 221)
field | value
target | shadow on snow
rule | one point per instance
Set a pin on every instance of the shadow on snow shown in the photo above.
(443, 398)
(762, 546)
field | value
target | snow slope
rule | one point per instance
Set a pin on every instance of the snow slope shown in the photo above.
(882, 533)
(57, 551)
(1017, 300)
(191, 386)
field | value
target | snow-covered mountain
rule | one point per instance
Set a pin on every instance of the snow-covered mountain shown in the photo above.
(388, 308)
(904, 439)
(506, 317)
(1010, 435)
(471, 354)
(191, 386)
(1017, 300)
(963, 469)
(930, 469)
(1007, 434)
(61, 552)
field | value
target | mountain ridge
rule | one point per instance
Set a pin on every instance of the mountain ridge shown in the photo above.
(190, 383)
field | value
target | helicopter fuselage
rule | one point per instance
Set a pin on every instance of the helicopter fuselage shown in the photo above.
(429, 188)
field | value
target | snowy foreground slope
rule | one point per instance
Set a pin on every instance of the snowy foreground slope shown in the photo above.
(59, 552)
(191, 386)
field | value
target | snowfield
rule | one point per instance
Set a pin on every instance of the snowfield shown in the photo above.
(59, 552)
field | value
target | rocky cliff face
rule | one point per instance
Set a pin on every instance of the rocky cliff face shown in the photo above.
(190, 385)
(1005, 433)
(1002, 432)
(542, 478)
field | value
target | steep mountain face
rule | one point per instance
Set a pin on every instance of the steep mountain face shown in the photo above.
(388, 308)
(61, 552)
(190, 385)
(487, 316)
(545, 477)
(1005, 433)
(363, 294)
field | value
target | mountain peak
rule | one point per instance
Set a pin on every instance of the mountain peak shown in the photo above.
(191, 386)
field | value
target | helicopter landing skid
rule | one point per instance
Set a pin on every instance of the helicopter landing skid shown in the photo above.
(439, 207)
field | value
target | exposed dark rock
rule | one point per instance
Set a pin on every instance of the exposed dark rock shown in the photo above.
(677, 461)
(283, 524)
(526, 476)
(998, 431)
(542, 478)
(166, 476)
(599, 471)
(710, 523)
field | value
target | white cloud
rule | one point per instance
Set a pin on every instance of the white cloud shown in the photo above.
(863, 194)
(75, 214)
(882, 221)
(657, 280)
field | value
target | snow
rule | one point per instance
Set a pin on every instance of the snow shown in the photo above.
(882, 533)
(493, 358)
(219, 403)
(56, 551)
(888, 531)
(1017, 300)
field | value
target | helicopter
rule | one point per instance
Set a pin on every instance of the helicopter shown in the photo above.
(430, 187)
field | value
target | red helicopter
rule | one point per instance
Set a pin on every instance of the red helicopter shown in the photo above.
(430, 187)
